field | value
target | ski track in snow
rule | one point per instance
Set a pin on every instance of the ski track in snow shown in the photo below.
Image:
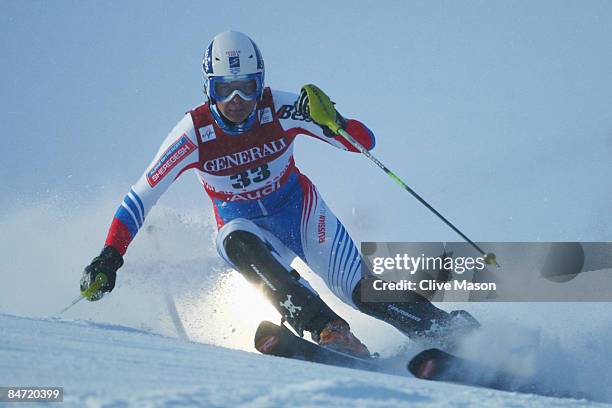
(104, 365)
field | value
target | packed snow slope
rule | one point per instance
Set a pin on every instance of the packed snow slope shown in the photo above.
(172, 266)
(110, 365)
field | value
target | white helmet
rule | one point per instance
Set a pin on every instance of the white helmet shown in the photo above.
(232, 57)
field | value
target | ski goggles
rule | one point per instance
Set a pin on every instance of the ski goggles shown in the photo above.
(248, 87)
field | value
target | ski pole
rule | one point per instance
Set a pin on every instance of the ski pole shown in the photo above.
(489, 257)
(100, 281)
(315, 104)
(74, 302)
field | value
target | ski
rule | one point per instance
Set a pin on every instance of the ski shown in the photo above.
(432, 364)
(275, 340)
(437, 365)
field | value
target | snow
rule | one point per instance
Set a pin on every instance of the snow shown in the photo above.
(114, 366)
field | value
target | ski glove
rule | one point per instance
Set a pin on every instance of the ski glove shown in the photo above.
(314, 104)
(99, 276)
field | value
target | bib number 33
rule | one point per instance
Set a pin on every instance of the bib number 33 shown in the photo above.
(254, 175)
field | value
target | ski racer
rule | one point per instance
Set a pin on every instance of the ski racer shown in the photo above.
(240, 144)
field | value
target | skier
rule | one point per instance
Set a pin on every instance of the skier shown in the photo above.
(240, 144)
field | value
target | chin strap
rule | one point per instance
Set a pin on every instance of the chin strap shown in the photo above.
(231, 127)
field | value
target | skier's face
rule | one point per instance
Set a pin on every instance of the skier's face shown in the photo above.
(237, 109)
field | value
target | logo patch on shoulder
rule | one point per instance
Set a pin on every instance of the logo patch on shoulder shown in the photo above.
(207, 133)
(180, 149)
(265, 116)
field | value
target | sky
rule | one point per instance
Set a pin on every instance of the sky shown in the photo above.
(497, 113)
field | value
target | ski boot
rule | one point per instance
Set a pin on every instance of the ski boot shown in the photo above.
(337, 336)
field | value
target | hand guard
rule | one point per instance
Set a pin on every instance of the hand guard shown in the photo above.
(314, 104)
(100, 275)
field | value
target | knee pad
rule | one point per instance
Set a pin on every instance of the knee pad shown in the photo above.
(301, 307)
